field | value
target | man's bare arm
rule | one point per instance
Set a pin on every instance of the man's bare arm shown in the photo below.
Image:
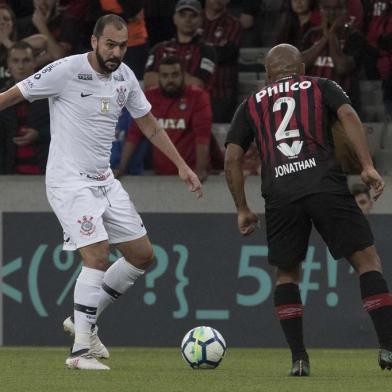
(202, 160)
(354, 131)
(234, 175)
(158, 136)
(10, 97)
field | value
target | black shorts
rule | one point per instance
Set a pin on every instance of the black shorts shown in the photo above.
(336, 217)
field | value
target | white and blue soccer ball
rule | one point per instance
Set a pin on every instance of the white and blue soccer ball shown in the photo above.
(203, 348)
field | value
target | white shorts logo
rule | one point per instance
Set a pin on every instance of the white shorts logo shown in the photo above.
(87, 227)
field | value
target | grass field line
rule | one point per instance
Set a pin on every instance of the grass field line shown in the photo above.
(163, 370)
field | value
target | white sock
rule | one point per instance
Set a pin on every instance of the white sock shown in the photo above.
(86, 298)
(117, 280)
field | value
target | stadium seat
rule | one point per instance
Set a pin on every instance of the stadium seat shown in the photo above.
(383, 161)
(252, 76)
(386, 139)
(252, 59)
(249, 86)
(373, 112)
(374, 132)
(220, 130)
(372, 106)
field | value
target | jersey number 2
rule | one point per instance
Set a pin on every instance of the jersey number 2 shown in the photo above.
(282, 133)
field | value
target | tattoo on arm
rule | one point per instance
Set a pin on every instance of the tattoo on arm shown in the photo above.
(154, 133)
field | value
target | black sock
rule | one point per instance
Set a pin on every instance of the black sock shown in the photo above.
(377, 301)
(289, 309)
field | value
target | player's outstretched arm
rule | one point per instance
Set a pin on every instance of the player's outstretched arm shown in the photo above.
(157, 136)
(10, 97)
(354, 131)
(247, 220)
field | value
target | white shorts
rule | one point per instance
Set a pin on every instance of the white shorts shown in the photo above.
(89, 214)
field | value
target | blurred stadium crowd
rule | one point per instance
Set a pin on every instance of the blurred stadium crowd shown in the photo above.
(217, 48)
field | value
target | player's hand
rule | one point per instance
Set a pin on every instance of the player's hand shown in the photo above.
(202, 174)
(191, 179)
(117, 173)
(372, 179)
(247, 222)
(30, 135)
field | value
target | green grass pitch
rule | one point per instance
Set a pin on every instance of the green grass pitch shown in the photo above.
(162, 369)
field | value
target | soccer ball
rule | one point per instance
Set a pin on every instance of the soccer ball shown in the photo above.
(203, 348)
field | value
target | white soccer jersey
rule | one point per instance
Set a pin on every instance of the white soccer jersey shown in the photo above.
(84, 110)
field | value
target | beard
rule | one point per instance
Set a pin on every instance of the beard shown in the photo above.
(173, 91)
(104, 63)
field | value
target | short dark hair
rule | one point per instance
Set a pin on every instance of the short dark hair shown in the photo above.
(359, 188)
(22, 45)
(109, 19)
(171, 60)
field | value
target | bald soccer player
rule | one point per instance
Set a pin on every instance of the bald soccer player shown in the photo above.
(302, 184)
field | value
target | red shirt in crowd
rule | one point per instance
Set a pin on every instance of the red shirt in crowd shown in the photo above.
(224, 33)
(24, 162)
(380, 24)
(187, 119)
(198, 57)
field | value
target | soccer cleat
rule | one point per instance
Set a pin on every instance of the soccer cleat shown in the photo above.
(385, 359)
(83, 360)
(300, 368)
(97, 349)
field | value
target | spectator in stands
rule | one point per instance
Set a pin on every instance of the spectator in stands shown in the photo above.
(7, 39)
(24, 128)
(361, 192)
(58, 33)
(223, 31)
(185, 114)
(133, 13)
(199, 58)
(298, 21)
(354, 17)
(261, 21)
(379, 37)
(335, 50)
(159, 20)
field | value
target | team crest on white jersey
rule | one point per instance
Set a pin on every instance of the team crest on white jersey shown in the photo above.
(87, 227)
(121, 97)
(105, 105)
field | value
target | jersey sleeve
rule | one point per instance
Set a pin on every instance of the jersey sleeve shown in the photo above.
(240, 131)
(48, 82)
(202, 118)
(333, 95)
(137, 103)
(206, 68)
(153, 59)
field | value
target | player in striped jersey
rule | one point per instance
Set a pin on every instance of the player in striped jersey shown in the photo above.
(303, 185)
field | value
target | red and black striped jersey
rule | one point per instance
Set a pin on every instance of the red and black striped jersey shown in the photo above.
(199, 58)
(224, 33)
(291, 121)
